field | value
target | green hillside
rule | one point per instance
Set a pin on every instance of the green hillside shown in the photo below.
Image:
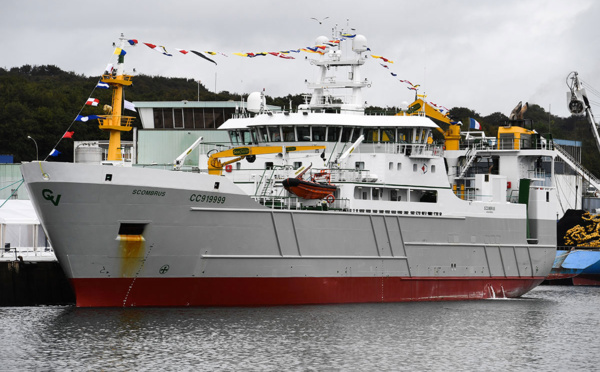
(42, 101)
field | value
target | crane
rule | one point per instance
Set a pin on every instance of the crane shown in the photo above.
(215, 166)
(579, 104)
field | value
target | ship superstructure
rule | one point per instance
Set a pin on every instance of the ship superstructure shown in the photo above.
(391, 228)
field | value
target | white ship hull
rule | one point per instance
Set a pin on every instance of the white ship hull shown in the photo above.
(234, 251)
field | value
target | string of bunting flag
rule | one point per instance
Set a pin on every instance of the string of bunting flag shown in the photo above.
(283, 54)
(93, 102)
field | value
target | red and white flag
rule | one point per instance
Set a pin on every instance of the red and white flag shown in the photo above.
(92, 102)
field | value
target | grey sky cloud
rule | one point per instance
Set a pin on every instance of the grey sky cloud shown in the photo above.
(485, 55)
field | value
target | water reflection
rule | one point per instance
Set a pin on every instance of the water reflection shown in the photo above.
(554, 328)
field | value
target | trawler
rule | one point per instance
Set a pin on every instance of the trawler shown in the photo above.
(406, 220)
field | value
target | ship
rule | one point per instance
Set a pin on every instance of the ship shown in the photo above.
(409, 220)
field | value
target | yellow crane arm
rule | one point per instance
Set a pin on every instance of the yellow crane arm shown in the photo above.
(452, 135)
(215, 166)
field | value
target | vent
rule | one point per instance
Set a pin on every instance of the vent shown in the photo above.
(132, 228)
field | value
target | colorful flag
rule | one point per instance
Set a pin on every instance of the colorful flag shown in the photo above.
(474, 124)
(109, 68)
(128, 105)
(182, 51)
(86, 118)
(203, 56)
(132, 42)
(118, 51)
(68, 134)
(54, 152)
(102, 85)
(92, 102)
(165, 51)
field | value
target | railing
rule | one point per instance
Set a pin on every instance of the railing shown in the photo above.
(294, 203)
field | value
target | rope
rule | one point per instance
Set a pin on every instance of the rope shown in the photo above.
(79, 113)
(14, 192)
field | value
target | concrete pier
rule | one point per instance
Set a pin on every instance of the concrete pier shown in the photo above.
(31, 283)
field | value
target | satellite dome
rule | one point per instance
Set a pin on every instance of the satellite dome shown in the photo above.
(254, 102)
(359, 44)
(321, 40)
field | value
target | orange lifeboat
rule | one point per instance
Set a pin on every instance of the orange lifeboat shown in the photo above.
(309, 190)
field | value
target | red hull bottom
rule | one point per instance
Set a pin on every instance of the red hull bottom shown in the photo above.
(587, 280)
(289, 291)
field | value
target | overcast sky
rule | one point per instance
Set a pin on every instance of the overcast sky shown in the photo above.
(484, 55)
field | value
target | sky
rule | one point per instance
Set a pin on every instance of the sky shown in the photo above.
(484, 55)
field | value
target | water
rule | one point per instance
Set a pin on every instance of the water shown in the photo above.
(552, 328)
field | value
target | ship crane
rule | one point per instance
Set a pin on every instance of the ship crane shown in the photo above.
(215, 166)
(579, 104)
(178, 163)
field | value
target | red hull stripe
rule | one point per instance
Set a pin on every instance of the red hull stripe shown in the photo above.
(587, 280)
(289, 291)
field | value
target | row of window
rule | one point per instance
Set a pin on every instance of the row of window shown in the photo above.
(190, 118)
(384, 193)
(329, 134)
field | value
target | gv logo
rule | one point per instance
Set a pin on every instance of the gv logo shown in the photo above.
(48, 195)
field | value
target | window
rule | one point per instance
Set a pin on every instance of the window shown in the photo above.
(346, 134)
(318, 133)
(388, 135)
(178, 118)
(297, 164)
(414, 167)
(399, 166)
(333, 134)
(274, 134)
(375, 193)
(303, 133)
(359, 165)
(269, 165)
(391, 165)
(288, 134)
(433, 169)
(371, 135)
(355, 134)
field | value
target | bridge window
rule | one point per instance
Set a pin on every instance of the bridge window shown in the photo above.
(347, 134)
(303, 133)
(318, 133)
(274, 134)
(288, 134)
(333, 134)
(356, 132)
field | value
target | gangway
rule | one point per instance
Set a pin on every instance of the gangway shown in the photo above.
(577, 167)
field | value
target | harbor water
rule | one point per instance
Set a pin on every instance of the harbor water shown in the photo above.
(551, 328)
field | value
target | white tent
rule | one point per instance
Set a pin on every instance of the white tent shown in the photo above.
(20, 229)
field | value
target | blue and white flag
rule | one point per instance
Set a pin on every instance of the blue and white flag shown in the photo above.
(102, 85)
(86, 118)
(54, 152)
(474, 124)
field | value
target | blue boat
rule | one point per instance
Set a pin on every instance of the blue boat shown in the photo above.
(573, 263)
(590, 275)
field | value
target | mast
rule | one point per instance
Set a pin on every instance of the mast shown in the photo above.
(115, 122)
(331, 59)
